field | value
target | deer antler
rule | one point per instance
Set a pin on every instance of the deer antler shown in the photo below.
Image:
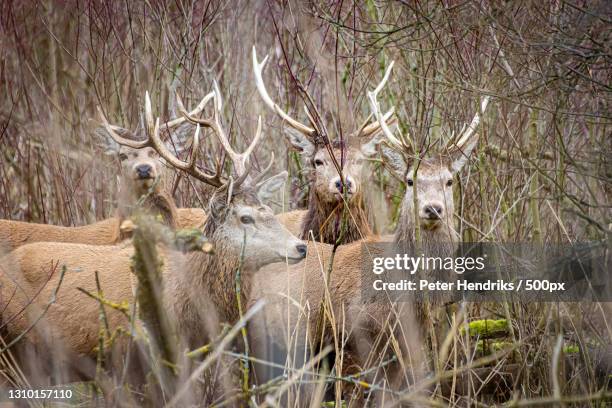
(188, 166)
(261, 87)
(467, 134)
(136, 144)
(368, 129)
(139, 144)
(241, 160)
(381, 119)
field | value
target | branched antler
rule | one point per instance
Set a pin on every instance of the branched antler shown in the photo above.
(364, 130)
(188, 166)
(241, 160)
(139, 144)
(154, 140)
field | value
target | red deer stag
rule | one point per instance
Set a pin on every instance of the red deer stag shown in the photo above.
(140, 187)
(329, 162)
(291, 322)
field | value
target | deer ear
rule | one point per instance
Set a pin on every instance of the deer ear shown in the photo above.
(266, 188)
(369, 149)
(218, 204)
(300, 142)
(392, 159)
(459, 157)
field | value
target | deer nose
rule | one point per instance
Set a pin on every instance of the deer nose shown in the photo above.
(302, 249)
(433, 211)
(144, 170)
(347, 182)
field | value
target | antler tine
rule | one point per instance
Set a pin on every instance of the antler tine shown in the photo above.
(366, 129)
(261, 87)
(240, 160)
(195, 146)
(149, 123)
(135, 144)
(235, 157)
(258, 137)
(312, 121)
(376, 110)
(218, 97)
(469, 132)
(385, 79)
(214, 124)
(188, 167)
(191, 118)
(175, 122)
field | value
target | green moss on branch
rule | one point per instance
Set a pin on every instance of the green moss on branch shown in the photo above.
(487, 328)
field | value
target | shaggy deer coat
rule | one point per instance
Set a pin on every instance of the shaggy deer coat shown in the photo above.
(291, 324)
(196, 285)
(14, 234)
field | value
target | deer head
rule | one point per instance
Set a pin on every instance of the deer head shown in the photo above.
(429, 193)
(141, 169)
(336, 166)
(239, 224)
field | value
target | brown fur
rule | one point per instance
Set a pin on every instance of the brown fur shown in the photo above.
(205, 280)
(72, 318)
(323, 219)
(159, 204)
(294, 302)
(196, 285)
(346, 271)
(335, 167)
(324, 222)
(14, 234)
(292, 220)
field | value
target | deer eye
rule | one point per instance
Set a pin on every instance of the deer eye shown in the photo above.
(318, 162)
(123, 156)
(410, 182)
(247, 219)
(449, 182)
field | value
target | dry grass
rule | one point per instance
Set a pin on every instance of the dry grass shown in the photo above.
(541, 172)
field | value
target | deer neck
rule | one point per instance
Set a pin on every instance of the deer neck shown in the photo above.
(325, 220)
(214, 276)
(155, 202)
(162, 204)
